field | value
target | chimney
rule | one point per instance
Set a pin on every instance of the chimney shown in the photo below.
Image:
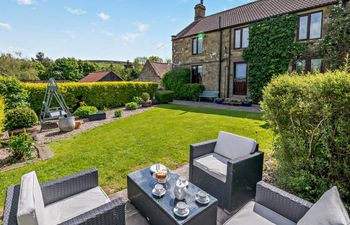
(199, 11)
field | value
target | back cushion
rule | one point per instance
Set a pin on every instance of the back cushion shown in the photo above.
(31, 204)
(234, 146)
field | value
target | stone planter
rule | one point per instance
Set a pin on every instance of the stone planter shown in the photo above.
(31, 130)
(146, 103)
(97, 116)
(66, 124)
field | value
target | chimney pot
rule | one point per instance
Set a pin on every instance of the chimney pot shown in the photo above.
(199, 11)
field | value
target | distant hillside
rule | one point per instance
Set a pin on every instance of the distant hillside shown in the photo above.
(107, 62)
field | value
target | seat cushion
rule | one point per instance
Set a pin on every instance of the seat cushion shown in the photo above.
(328, 210)
(234, 146)
(213, 164)
(31, 203)
(256, 214)
(75, 205)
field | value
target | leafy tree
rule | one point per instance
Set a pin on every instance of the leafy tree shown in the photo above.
(155, 59)
(336, 43)
(16, 66)
(87, 67)
(14, 93)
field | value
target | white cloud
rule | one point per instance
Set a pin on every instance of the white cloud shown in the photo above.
(129, 38)
(25, 2)
(103, 16)
(77, 12)
(6, 26)
(160, 46)
(142, 27)
(107, 33)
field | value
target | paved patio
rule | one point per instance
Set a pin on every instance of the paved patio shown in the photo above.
(254, 108)
(133, 216)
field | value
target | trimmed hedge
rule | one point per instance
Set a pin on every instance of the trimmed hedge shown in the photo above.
(85, 111)
(99, 94)
(310, 116)
(131, 106)
(2, 114)
(190, 92)
(18, 118)
(164, 97)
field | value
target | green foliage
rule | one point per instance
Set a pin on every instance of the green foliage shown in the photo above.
(336, 44)
(17, 118)
(2, 114)
(99, 94)
(84, 111)
(16, 66)
(118, 113)
(310, 116)
(131, 105)
(272, 48)
(21, 146)
(137, 99)
(176, 78)
(145, 96)
(190, 91)
(164, 97)
(13, 91)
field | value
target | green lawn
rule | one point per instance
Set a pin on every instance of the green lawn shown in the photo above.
(162, 135)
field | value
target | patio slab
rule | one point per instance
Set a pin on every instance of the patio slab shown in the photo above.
(254, 108)
(133, 216)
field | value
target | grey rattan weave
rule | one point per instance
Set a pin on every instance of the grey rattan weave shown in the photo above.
(242, 175)
(112, 213)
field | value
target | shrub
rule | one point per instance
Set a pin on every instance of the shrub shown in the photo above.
(2, 114)
(20, 118)
(21, 146)
(118, 113)
(190, 91)
(137, 100)
(14, 93)
(310, 116)
(164, 97)
(145, 96)
(176, 78)
(131, 105)
(99, 94)
(84, 111)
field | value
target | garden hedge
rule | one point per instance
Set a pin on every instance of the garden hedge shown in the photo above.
(310, 116)
(99, 94)
(2, 113)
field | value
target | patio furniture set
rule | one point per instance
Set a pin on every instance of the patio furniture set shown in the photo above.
(225, 172)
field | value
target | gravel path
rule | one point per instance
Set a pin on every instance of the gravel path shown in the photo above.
(54, 134)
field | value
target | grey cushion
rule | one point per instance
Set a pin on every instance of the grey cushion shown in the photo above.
(272, 216)
(31, 204)
(234, 146)
(213, 164)
(76, 205)
(328, 210)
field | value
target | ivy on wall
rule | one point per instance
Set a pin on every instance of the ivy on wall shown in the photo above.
(272, 47)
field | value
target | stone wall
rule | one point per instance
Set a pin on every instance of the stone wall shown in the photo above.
(148, 74)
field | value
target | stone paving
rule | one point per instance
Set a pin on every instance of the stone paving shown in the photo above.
(133, 216)
(254, 108)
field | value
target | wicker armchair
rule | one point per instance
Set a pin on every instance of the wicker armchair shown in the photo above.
(233, 181)
(68, 190)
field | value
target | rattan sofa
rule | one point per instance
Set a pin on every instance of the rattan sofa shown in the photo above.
(64, 195)
(236, 184)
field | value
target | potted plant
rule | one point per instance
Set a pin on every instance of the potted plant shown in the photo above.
(247, 102)
(219, 100)
(145, 101)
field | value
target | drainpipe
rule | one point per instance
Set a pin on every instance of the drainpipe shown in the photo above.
(220, 55)
(229, 64)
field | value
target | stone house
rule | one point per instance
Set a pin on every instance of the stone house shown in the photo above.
(153, 71)
(101, 76)
(212, 46)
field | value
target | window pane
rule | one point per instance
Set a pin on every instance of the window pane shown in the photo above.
(300, 66)
(316, 65)
(194, 46)
(200, 46)
(245, 37)
(303, 21)
(241, 71)
(237, 38)
(200, 71)
(316, 25)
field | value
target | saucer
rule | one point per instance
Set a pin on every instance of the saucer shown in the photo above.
(158, 194)
(153, 168)
(176, 212)
(202, 202)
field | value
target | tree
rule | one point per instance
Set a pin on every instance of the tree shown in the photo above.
(155, 59)
(336, 43)
(87, 67)
(66, 69)
(16, 66)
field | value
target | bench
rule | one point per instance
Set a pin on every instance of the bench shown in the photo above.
(209, 94)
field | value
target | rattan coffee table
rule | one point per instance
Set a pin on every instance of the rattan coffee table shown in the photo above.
(159, 211)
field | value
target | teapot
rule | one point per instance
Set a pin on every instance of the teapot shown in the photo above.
(180, 189)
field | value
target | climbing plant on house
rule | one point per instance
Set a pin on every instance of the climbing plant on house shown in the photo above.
(272, 47)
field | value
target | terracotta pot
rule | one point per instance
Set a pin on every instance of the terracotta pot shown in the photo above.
(78, 124)
(66, 123)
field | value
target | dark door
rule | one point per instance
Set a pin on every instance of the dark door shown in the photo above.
(240, 80)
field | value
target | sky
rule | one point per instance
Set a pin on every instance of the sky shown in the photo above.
(97, 29)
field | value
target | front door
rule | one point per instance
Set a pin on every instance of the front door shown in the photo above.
(240, 79)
